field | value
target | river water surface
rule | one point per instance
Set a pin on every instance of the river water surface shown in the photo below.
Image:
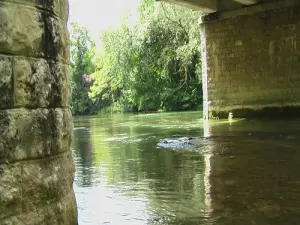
(243, 172)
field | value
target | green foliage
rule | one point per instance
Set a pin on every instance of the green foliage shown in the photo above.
(153, 65)
(82, 51)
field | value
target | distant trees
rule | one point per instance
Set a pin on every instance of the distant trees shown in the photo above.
(82, 51)
(153, 65)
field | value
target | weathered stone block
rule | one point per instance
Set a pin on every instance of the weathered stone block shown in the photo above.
(56, 39)
(38, 192)
(61, 8)
(33, 82)
(6, 89)
(11, 192)
(62, 130)
(32, 134)
(58, 7)
(61, 90)
(40, 83)
(21, 30)
(49, 184)
(25, 134)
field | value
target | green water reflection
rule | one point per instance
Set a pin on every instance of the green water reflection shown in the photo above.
(242, 172)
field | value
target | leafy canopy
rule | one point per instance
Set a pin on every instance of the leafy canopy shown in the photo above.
(153, 65)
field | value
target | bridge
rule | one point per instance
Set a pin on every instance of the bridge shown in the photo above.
(251, 67)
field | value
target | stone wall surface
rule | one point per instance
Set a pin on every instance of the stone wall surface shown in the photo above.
(36, 162)
(252, 60)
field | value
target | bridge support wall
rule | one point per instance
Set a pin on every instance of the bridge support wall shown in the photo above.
(36, 163)
(251, 60)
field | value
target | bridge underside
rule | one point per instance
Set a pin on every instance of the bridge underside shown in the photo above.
(210, 6)
(250, 57)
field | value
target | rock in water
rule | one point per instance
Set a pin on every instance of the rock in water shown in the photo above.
(178, 143)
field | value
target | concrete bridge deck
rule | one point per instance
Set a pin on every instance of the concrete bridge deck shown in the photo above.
(210, 6)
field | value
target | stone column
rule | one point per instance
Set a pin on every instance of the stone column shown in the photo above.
(251, 60)
(36, 162)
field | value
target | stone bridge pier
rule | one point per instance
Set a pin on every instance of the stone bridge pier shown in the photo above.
(250, 56)
(36, 163)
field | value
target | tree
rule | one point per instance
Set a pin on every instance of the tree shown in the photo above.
(154, 65)
(82, 50)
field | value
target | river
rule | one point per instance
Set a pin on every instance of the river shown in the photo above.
(243, 172)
